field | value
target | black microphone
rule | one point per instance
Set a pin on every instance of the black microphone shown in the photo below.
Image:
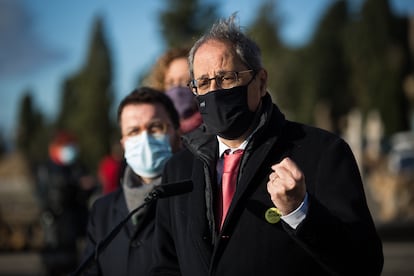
(161, 191)
(174, 188)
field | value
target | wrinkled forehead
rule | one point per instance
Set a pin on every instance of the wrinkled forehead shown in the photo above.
(213, 57)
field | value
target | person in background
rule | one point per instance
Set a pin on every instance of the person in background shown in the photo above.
(271, 196)
(64, 187)
(150, 133)
(171, 74)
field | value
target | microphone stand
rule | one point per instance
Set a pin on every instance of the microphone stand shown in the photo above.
(100, 246)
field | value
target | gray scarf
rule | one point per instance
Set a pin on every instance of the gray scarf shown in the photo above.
(135, 191)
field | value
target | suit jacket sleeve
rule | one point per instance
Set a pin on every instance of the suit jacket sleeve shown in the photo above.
(338, 230)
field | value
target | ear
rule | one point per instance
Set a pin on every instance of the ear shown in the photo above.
(262, 77)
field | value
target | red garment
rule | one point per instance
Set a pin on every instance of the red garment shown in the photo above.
(109, 174)
(230, 170)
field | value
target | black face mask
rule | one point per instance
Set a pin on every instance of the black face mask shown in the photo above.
(226, 112)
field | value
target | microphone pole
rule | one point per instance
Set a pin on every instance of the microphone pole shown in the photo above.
(158, 192)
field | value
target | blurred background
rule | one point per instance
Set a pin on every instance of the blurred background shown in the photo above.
(345, 66)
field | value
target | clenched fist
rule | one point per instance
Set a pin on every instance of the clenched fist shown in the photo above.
(286, 186)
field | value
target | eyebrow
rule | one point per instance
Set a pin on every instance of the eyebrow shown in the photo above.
(217, 73)
(128, 130)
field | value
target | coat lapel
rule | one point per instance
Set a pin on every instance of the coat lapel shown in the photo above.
(120, 211)
(249, 171)
(200, 229)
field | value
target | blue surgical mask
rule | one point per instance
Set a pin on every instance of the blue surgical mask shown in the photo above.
(147, 154)
(68, 154)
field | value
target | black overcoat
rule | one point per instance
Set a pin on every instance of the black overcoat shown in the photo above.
(338, 236)
(129, 253)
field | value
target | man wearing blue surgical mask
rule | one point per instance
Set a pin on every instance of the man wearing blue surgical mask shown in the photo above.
(149, 126)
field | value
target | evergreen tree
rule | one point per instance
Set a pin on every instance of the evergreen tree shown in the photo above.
(69, 101)
(182, 21)
(31, 131)
(264, 30)
(3, 146)
(286, 67)
(25, 124)
(328, 72)
(87, 98)
(376, 48)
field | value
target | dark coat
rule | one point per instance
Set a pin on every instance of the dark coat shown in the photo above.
(129, 253)
(338, 235)
(64, 210)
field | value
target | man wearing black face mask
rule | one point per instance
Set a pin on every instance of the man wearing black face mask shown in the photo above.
(271, 196)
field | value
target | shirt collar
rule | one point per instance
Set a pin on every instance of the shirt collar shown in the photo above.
(223, 147)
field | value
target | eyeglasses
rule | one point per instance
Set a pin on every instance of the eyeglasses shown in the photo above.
(224, 80)
(153, 128)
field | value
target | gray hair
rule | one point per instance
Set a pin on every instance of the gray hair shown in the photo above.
(227, 31)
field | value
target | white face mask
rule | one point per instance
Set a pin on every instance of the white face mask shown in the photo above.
(147, 154)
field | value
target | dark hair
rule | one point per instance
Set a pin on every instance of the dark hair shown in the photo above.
(227, 31)
(151, 96)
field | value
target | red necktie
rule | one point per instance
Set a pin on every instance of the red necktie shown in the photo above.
(229, 179)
